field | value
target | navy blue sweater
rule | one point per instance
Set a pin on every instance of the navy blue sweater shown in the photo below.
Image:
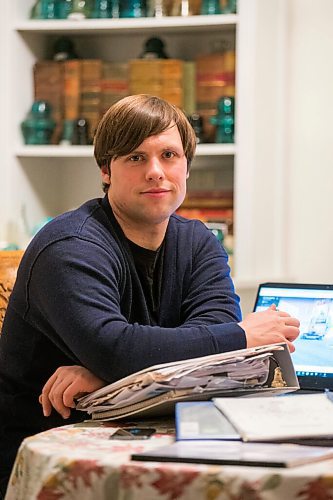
(78, 300)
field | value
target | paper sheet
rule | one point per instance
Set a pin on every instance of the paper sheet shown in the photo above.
(273, 418)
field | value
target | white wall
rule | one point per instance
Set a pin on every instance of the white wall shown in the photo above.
(4, 121)
(309, 228)
(306, 143)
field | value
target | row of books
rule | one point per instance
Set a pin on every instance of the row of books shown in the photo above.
(88, 87)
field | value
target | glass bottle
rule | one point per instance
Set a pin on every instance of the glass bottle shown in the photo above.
(154, 49)
(80, 133)
(44, 9)
(197, 123)
(38, 126)
(224, 120)
(102, 9)
(67, 133)
(81, 9)
(210, 7)
(63, 49)
(64, 8)
(132, 8)
(36, 10)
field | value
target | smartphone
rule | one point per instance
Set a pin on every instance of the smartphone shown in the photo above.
(133, 433)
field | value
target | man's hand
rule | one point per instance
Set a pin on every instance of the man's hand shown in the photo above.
(269, 327)
(67, 383)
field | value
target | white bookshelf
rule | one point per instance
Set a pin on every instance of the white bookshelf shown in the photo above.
(21, 151)
(98, 26)
(46, 180)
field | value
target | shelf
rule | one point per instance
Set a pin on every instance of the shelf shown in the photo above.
(54, 151)
(215, 149)
(125, 26)
(87, 151)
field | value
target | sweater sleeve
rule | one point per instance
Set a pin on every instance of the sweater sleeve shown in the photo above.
(74, 295)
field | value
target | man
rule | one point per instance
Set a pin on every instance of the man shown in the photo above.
(121, 283)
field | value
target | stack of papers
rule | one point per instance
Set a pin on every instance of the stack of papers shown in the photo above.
(155, 390)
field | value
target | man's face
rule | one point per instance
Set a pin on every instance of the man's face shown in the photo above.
(149, 184)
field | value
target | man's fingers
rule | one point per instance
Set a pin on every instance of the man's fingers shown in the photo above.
(44, 397)
(52, 396)
(56, 398)
(46, 405)
(69, 394)
(291, 346)
(291, 333)
(292, 322)
(49, 384)
(283, 314)
(64, 385)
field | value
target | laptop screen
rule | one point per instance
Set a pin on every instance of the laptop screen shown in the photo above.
(312, 305)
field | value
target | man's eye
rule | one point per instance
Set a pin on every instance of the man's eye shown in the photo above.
(135, 158)
(168, 154)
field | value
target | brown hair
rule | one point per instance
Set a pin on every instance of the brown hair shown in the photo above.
(128, 122)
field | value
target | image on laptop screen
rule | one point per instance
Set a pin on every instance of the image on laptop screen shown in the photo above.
(313, 306)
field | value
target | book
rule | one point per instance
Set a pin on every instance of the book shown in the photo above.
(207, 214)
(236, 453)
(160, 77)
(72, 88)
(189, 97)
(90, 93)
(155, 390)
(208, 199)
(114, 84)
(303, 416)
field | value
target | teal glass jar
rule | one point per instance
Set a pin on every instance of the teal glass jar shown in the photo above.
(101, 9)
(132, 8)
(210, 7)
(64, 8)
(224, 120)
(67, 133)
(44, 9)
(81, 9)
(38, 127)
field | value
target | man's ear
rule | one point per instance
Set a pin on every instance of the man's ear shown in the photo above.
(105, 173)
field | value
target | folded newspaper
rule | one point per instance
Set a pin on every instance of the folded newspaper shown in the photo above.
(155, 390)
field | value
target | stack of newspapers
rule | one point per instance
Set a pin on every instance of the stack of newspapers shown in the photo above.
(155, 390)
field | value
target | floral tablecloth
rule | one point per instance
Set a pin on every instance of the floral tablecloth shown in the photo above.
(82, 463)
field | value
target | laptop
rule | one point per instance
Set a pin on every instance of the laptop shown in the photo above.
(313, 306)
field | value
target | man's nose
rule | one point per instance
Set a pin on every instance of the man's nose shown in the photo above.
(155, 170)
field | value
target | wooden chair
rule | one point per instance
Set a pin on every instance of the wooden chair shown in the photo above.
(9, 262)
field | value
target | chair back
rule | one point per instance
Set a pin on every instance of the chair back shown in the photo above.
(9, 262)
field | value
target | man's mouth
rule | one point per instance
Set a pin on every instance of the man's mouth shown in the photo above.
(156, 192)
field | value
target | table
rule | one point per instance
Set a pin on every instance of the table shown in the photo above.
(80, 462)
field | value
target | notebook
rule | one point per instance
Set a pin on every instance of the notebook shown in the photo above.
(313, 306)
